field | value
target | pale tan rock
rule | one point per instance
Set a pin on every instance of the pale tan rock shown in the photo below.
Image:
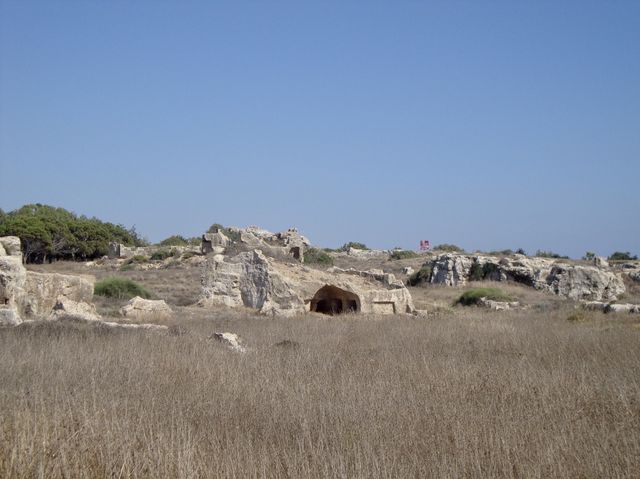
(144, 326)
(622, 308)
(45, 289)
(9, 316)
(10, 246)
(13, 282)
(67, 307)
(212, 241)
(140, 308)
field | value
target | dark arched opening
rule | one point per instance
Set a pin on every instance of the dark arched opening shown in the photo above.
(295, 252)
(332, 300)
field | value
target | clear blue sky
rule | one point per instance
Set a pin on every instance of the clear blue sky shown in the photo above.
(486, 124)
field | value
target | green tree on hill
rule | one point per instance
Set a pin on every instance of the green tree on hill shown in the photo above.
(48, 233)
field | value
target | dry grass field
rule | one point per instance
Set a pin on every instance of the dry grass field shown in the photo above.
(462, 394)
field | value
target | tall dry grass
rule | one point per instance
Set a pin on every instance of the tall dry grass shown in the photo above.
(465, 395)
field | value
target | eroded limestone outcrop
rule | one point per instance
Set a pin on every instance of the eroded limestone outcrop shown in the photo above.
(252, 280)
(574, 281)
(26, 294)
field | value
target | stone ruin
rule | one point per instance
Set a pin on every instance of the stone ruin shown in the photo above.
(286, 244)
(253, 280)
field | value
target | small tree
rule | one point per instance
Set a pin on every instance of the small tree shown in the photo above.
(620, 256)
(175, 240)
(353, 244)
(589, 256)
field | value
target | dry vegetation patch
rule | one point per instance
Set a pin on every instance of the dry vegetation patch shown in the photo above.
(470, 394)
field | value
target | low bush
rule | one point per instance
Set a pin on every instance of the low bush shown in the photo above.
(137, 259)
(472, 296)
(403, 254)
(549, 254)
(161, 255)
(120, 288)
(423, 275)
(317, 256)
(620, 256)
(449, 248)
(188, 255)
(353, 244)
(175, 240)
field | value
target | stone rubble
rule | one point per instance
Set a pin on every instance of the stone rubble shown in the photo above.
(140, 308)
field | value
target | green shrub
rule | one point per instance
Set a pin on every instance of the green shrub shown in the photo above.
(549, 254)
(317, 256)
(139, 258)
(423, 275)
(620, 256)
(450, 248)
(120, 288)
(161, 255)
(589, 256)
(472, 296)
(188, 255)
(175, 240)
(353, 244)
(403, 254)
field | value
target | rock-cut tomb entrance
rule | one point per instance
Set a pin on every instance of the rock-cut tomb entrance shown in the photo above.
(332, 300)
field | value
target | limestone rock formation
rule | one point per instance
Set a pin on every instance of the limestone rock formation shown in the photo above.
(578, 282)
(251, 279)
(46, 289)
(214, 240)
(139, 308)
(26, 294)
(81, 310)
(286, 244)
(622, 308)
(450, 269)
(10, 246)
